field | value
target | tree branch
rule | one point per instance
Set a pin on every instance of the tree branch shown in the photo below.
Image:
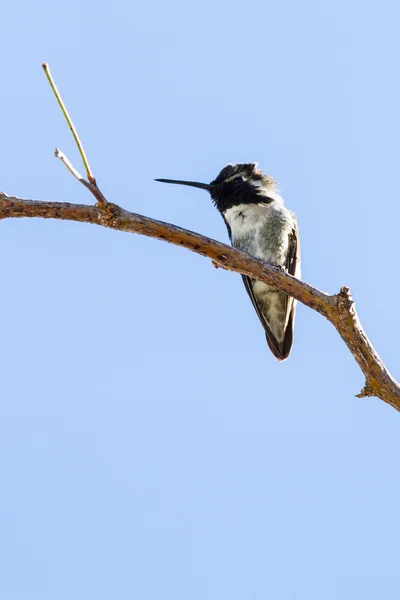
(338, 309)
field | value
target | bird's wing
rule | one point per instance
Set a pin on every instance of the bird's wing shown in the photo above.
(281, 350)
(293, 256)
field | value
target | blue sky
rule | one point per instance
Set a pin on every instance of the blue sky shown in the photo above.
(150, 445)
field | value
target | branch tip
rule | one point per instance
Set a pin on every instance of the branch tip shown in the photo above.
(70, 167)
(366, 392)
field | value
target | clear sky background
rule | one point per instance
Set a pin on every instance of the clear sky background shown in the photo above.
(150, 445)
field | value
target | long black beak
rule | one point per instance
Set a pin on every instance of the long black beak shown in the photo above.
(196, 184)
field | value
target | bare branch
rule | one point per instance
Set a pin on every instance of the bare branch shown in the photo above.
(339, 309)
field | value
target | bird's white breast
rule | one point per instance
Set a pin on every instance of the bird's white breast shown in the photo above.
(261, 230)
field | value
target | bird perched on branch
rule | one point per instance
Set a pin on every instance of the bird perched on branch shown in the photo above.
(259, 224)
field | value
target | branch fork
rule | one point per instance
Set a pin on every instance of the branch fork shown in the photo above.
(90, 183)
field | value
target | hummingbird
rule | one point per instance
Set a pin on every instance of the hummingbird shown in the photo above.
(259, 224)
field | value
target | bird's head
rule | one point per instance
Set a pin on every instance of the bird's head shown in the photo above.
(241, 183)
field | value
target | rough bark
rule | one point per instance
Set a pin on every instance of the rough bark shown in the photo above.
(338, 308)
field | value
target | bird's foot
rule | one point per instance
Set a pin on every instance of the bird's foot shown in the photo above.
(279, 267)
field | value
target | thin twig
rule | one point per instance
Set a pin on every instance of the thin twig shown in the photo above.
(78, 142)
(91, 184)
(71, 168)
